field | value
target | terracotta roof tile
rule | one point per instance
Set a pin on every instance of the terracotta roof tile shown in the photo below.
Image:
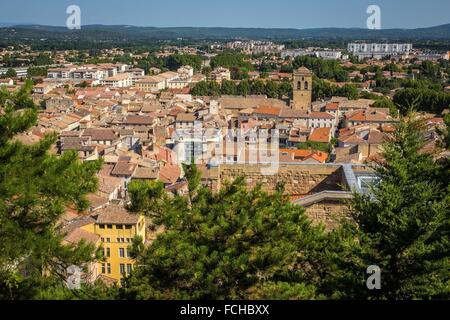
(115, 214)
(123, 169)
(320, 115)
(268, 111)
(321, 135)
(79, 234)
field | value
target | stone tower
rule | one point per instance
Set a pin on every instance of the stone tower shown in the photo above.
(302, 86)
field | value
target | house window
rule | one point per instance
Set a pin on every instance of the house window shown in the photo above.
(122, 268)
(122, 252)
(108, 252)
(103, 268)
(128, 227)
(109, 268)
(110, 226)
(129, 268)
(299, 85)
(306, 85)
(128, 253)
(102, 226)
(108, 240)
(119, 226)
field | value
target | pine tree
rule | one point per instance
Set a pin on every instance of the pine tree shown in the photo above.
(403, 227)
(35, 189)
(234, 244)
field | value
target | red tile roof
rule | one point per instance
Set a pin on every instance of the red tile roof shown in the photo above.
(320, 115)
(332, 106)
(307, 154)
(321, 135)
(268, 111)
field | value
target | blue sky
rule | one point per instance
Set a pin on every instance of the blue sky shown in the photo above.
(230, 13)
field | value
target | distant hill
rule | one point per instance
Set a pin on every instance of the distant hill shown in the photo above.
(121, 33)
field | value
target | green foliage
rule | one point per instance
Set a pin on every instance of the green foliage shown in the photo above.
(176, 61)
(82, 84)
(385, 85)
(229, 60)
(126, 58)
(318, 146)
(323, 89)
(151, 62)
(446, 133)
(143, 194)
(35, 189)
(137, 248)
(207, 71)
(244, 88)
(324, 69)
(235, 62)
(235, 244)
(431, 70)
(402, 228)
(43, 60)
(422, 100)
(258, 87)
(52, 289)
(193, 178)
(37, 71)
(284, 291)
(200, 89)
(228, 88)
(10, 73)
(392, 67)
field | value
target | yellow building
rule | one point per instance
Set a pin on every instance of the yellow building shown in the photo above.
(115, 228)
(302, 87)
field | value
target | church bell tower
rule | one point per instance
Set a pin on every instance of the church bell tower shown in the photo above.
(302, 86)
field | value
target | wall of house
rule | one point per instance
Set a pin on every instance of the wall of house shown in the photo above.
(110, 235)
(329, 213)
(299, 179)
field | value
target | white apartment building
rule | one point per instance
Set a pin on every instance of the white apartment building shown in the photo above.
(378, 50)
(60, 73)
(119, 81)
(256, 46)
(87, 72)
(314, 52)
(322, 120)
(329, 54)
(21, 72)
